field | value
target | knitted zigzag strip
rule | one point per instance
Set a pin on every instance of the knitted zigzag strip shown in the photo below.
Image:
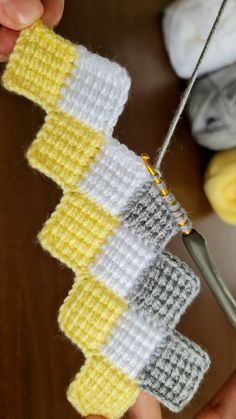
(111, 228)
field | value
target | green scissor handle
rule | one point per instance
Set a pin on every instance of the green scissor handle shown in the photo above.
(197, 247)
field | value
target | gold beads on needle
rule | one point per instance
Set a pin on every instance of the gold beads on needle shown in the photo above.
(183, 221)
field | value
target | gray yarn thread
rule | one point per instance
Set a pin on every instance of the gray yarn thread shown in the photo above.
(212, 109)
(188, 90)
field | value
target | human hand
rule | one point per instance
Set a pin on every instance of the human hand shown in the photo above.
(222, 406)
(16, 15)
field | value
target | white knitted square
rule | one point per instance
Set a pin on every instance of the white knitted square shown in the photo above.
(121, 261)
(133, 342)
(114, 176)
(96, 91)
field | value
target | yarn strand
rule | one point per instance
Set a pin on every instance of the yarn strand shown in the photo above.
(184, 98)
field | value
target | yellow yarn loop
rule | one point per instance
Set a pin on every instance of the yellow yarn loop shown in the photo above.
(220, 185)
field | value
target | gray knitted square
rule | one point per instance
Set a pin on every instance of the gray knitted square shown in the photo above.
(149, 218)
(174, 375)
(165, 290)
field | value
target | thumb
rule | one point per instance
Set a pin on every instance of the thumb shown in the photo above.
(145, 407)
(15, 14)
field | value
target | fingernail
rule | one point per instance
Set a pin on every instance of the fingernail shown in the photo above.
(23, 12)
(3, 58)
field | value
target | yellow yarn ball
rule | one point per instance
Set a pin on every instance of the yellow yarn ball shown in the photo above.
(220, 185)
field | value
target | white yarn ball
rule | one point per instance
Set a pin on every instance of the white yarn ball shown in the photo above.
(186, 25)
(212, 109)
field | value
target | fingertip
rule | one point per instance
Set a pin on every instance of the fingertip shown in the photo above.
(8, 39)
(95, 417)
(53, 11)
(146, 406)
(17, 15)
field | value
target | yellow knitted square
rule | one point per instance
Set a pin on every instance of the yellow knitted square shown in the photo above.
(101, 388)
(76, 230)
(64, 148)
(39, 65)
(89, 313)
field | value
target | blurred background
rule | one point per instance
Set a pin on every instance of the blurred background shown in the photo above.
(36, 361)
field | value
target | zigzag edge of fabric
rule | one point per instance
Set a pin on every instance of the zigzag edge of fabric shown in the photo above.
(111, 228)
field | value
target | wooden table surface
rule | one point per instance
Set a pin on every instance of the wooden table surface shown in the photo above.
(37, 361)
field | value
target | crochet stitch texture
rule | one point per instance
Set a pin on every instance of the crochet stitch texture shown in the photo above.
(110, 228)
